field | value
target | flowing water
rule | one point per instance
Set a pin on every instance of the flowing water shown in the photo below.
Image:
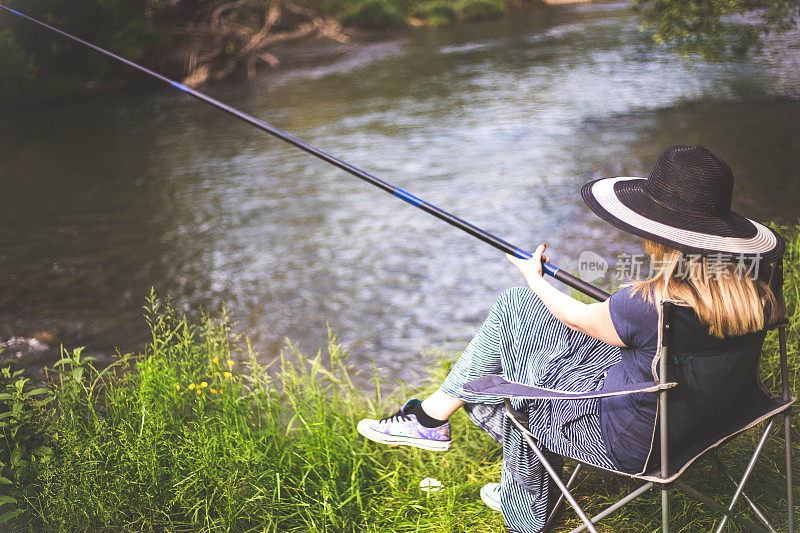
(498, 122)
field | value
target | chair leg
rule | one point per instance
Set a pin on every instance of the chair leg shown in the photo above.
(553, 475)
(551, 518)
(759, 513)
(746, 475)
(664, 509)
(699, 496)
(620, 503)
(787, 429)
(787, 426)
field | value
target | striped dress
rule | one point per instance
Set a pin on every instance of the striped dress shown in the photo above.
(523, 342)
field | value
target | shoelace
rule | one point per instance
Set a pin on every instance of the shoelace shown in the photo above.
(399, 415)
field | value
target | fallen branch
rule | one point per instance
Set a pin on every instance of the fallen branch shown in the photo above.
(236, 35)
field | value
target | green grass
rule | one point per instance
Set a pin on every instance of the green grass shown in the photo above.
(481, 9)
(394, 14)
(145, 446)
(436, 14)
(136, 447)
(374, 15)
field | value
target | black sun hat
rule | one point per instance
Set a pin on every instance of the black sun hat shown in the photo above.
(685, 203)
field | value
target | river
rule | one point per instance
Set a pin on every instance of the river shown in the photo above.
(498, 122)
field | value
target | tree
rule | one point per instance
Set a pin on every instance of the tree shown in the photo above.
(42, 63)
(211, 39)
(17, 67)
(716, 27)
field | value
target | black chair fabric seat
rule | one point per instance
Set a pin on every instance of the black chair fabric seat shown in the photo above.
(680, 461)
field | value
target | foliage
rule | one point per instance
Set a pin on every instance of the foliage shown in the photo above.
(710, 26)
(182, 437)
(435, 14)
(201, 40)
(18, 67)
(438, 21)
(21, 450)
(44, 63)
(374, 15)
(791, 293)
(195, 435)
(480, 9)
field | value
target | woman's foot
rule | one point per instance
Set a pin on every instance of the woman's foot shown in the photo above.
(410, 427)
(490, 494)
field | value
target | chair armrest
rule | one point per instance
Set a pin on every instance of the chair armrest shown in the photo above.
(498, 387)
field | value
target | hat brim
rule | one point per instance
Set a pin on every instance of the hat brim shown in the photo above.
(624, 203)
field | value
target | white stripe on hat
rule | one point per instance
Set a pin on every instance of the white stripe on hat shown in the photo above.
(763, 241)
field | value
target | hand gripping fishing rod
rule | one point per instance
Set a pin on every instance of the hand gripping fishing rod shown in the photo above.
(453, 220)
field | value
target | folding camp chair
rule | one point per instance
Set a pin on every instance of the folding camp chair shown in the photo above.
(669, 460)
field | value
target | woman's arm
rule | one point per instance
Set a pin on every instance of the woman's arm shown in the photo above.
(591, 319)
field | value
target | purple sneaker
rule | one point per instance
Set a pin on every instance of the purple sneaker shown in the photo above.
(402, 428)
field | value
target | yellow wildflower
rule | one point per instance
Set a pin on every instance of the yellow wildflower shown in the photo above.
(231, 362)
(191, 386)
(213, 391)
(215, 360)
(227, 374)
(203, 385)
(177, 387)
(199, 392)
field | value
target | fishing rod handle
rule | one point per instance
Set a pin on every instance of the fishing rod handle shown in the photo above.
(565, 277)
(580, 285)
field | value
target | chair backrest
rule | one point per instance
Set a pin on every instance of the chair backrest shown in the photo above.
(716, 378)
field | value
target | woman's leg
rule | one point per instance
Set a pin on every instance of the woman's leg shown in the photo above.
(424, 424)
(481, 357)
(524, 483)
(441, 405)
(517, 340)
(492, 351)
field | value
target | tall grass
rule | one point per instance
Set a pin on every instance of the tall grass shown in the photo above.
(374, 15)
(195, 434)
(184, 438)
(481, 9)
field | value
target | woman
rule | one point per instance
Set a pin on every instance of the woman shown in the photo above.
(701, 252)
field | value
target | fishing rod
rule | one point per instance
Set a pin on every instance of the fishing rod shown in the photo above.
(453, 220)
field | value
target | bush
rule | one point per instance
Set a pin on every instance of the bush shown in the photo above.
(435, 14)
(374, 15)
(441, 9)
(438, 21)
(481, 9)
(17, 69)
(434, 9)
(41, 64)
(22, 453)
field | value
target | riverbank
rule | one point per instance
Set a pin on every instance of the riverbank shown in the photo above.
(214, 41)
(196, 434)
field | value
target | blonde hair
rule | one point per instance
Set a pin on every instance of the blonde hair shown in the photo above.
(730, 302)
